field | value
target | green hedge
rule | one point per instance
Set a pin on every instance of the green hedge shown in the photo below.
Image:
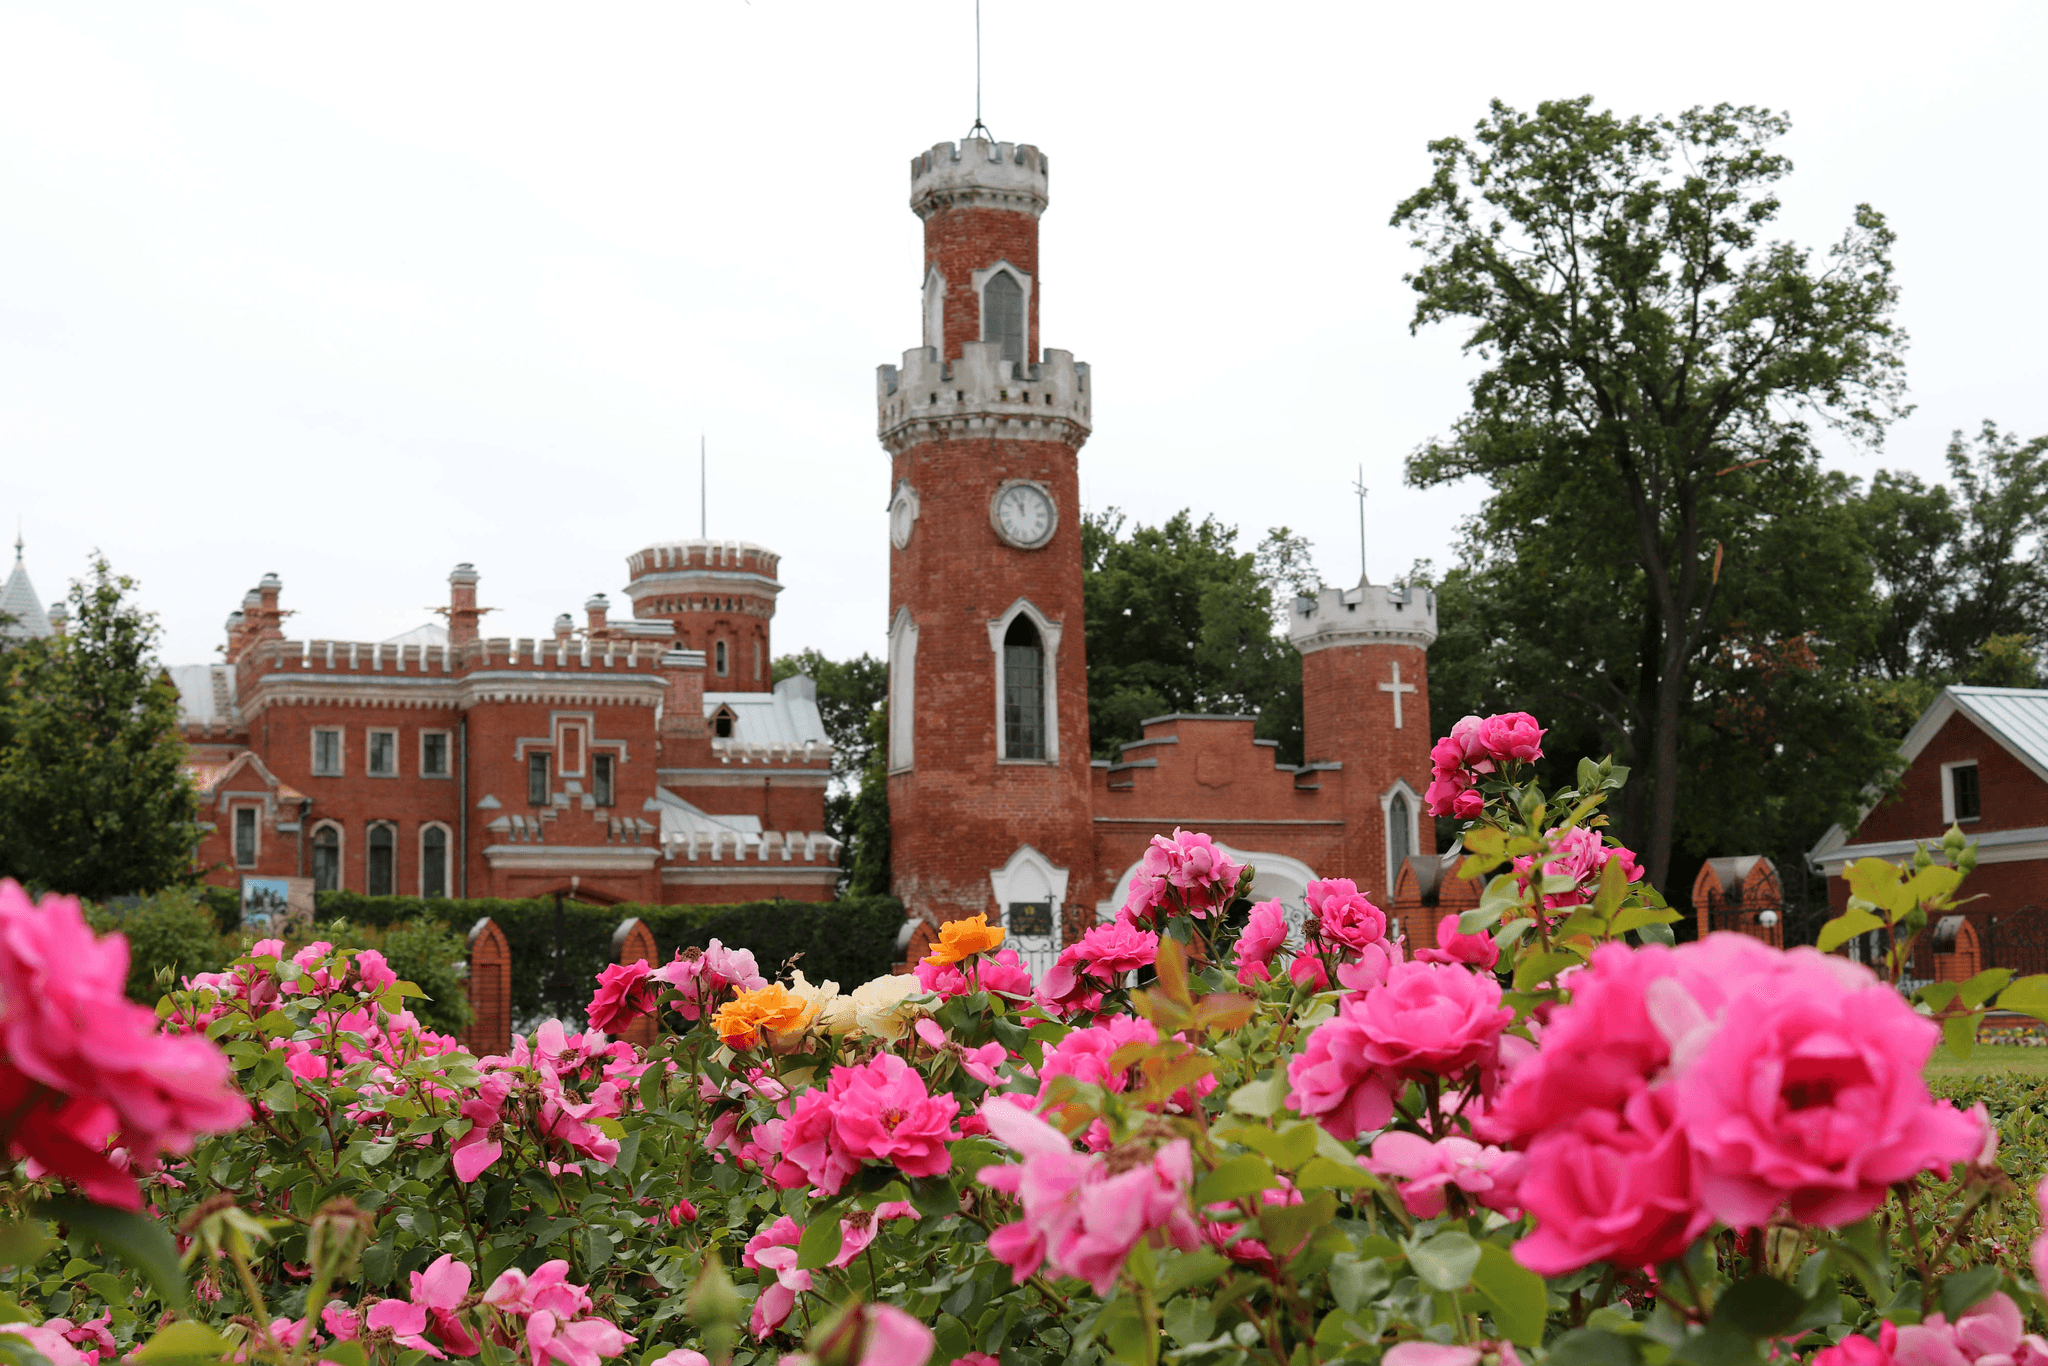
(846, 941)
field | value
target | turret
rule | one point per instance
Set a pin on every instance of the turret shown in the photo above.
(980, 202)
(719, 596)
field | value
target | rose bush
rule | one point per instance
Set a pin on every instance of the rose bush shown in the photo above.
(1545, 1133)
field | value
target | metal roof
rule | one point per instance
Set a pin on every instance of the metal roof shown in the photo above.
(206, 693)
(2016, 717)
(18, 600)
(787, 716)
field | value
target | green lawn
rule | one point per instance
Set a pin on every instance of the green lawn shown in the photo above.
(1989, 1059)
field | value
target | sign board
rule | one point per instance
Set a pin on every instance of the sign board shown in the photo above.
(270, 905)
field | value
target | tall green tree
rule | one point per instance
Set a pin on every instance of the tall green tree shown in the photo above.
(94, 799)
(1179, 621)
(1651, 364)
(851, 694)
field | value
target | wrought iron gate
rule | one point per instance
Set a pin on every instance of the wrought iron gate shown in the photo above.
(2018, 940)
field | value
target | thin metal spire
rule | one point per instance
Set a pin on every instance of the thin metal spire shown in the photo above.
(979, 126)
(1359, 489)
(704, 492)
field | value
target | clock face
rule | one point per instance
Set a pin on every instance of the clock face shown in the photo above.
(902, 516)
(1024, 515)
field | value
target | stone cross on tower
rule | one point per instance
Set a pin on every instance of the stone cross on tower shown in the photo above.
(1397, 687)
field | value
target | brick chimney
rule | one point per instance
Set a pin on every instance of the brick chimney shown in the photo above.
(682, 710)
(462, 609)
(596, 607)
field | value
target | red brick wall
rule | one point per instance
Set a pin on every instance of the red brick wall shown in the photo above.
(2012, 797)
(963, 240)
(1348, 720)
(958, 813)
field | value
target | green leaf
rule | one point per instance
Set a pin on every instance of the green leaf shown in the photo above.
(1320, 1172)
(344, 1354)
(1539, 968)
(1447, 1261)
(1716, 1347)
(1260, 1098)
(1189, 1320)
(1515, 1293)
(141, 1242)
(1985, 985)
(1190, 1268)
(1657, 934)
(1937, 995)
(1284, 1228)
(1354, 1279)
(1959, 1032)
(185, 1340)
(1845, 927)
(2028, 996)
(1758, 1307)
(23, 1243)
(1636, 917)
(1245, 1174)
(1122, 1326)
(1966, 1288)
(1592, 1347)
(821, 1241)
(935, 1197)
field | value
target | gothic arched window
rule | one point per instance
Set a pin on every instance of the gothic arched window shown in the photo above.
(382, 878)
(327, 859)
(1002, 314)
(434, 861)
(1400, 835)
(1023, 691)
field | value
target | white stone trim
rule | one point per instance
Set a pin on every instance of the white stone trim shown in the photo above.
(447, 858)
(1049, 632)
(903, 511)
(1400, 789)
(255, 811)
(571, 858)
(1993, 846)
(902, 692)
(1024, 876)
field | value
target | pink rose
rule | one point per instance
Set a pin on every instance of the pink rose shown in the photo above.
(1001, 973)
(1473, 950)
(1861, 1351)
(1264, 933)
(1432, 1021)
(1468, 805)
(881, 1112)
(871, 1335)
(1990, 1331)
(2039, 1253)
(1344, 918)
(810, 1145)
(1331, 1081)
(1807, 1091)
(1449, 1354)
(1511, 737)
(1613, 1186)
(1425, 1170)
(1111, 950)
(1581, 855)
(625, 993)
(1446, 791)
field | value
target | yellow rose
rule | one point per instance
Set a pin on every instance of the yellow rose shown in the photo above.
(960, 939)
(887, 1007)
(740, 1022)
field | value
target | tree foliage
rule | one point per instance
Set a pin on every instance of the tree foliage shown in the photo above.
(1179, 621)
(851, 696)
(94, 799)
(1652, 362)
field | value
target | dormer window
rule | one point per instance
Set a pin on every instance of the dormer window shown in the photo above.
(1002, 314)
(722, 723)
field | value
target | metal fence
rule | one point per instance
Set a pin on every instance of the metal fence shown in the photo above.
(2018, 940)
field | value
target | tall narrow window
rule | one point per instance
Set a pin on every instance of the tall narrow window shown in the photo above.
(382, 874)
(1400, 835)
(434, 754)
(383, 754)
(326, 859)
(245, 837)
(1002, 314)
(601, 778)
(327, 753)
(1963, 781)
(1023, 691)
(433, 861)
(721, 658)
(537, 787)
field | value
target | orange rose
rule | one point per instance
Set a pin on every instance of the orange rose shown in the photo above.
(774, 1008)
(960, 939)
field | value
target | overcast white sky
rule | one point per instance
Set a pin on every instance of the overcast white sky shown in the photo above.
(355, 292)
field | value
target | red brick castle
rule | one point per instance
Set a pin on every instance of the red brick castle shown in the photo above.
(995, 805)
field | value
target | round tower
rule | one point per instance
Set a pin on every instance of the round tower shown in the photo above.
(989, 805)
(1365, 720)
(720, 596)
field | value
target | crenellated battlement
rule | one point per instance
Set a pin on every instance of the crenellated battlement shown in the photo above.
(981, 394)
(543, 654)
(978, 173)
(1370, 614)
(727, 557)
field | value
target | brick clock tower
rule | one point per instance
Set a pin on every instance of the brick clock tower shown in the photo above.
(989, 801)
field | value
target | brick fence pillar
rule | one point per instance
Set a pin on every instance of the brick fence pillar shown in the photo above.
(490, 991)
(1957, 957)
